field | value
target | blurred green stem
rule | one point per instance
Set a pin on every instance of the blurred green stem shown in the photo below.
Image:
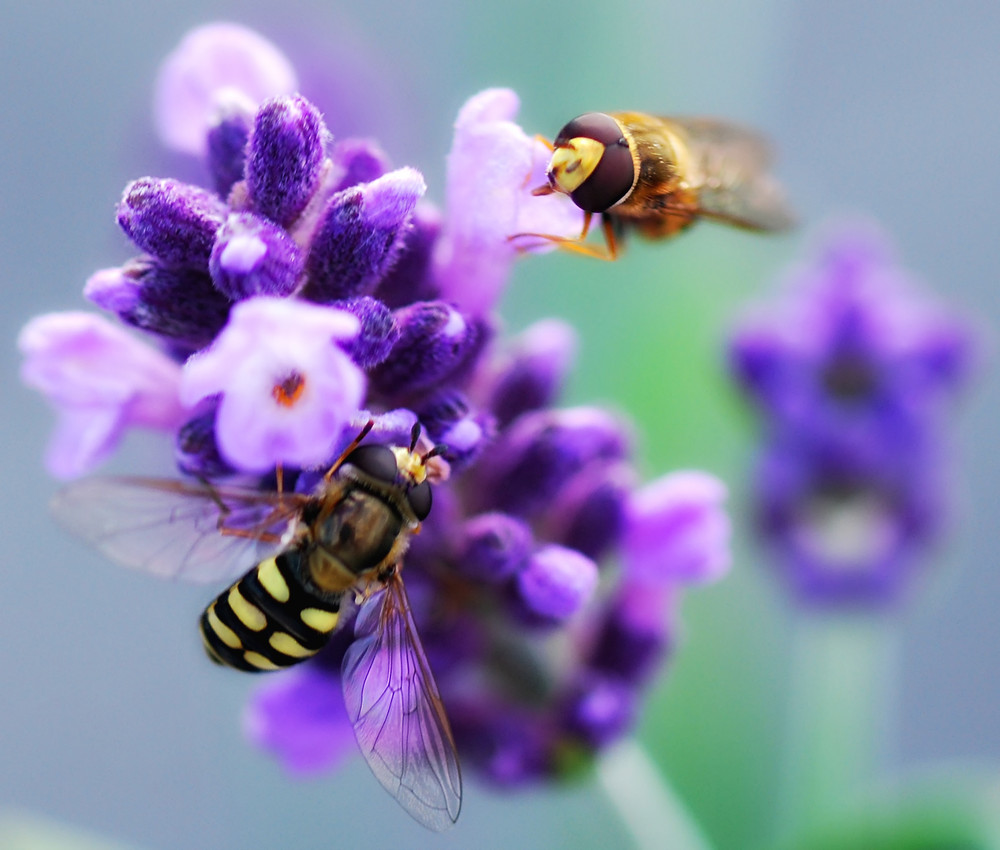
(650, 809)
(842, 708)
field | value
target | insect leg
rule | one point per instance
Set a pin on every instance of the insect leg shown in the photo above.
(350, 448)
(577, 244)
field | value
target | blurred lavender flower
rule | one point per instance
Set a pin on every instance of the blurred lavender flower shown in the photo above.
(851, 372)
(310, 289)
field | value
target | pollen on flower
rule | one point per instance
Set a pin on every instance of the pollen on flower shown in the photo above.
(289, 389)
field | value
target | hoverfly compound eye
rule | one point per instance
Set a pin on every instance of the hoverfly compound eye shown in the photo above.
(377, 461)
(419, 497)
(611, 179)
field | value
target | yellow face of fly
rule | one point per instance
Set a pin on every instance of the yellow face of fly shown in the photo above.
(573, 163)
(410, 464)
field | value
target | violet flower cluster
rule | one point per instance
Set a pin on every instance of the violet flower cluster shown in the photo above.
(851, 372)
(309, 287)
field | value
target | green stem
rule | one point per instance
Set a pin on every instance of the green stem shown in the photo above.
(843, 693)
(649, 807)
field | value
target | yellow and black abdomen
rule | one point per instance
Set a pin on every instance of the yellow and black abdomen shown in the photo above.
(269, 620)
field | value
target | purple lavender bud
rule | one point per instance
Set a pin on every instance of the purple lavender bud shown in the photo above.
(379, 331)
(542, 450)
(359, 236)
(493, 547)
(180, 304)
(510, 746)
(635, 632)
(284, 157)
(535, 369)
(556, 582)
(195, 448)
(115, 290)
(589, 513)
(358, 161)
(448, 420)
(227, 150)
(435, 341)
(600, 709)
(410, 278)
(253, 256)
(173, 221)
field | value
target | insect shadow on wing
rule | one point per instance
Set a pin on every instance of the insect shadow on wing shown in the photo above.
(658, 176)
(343, 543)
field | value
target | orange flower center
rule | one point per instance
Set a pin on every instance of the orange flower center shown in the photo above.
(288, 391)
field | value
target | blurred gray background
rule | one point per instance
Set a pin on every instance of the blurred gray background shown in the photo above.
(109, 718)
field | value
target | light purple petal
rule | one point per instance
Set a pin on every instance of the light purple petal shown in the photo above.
(677, 530)
(492, 168)
(268, 342)
(101, 380)
(214, 66)
(301, 719)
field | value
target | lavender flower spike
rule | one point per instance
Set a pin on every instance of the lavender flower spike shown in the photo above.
(492, 167)
(101, 380)
(214, 66)
(287, 387)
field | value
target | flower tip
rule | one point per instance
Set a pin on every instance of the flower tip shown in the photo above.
(212, 65)
(494, 104)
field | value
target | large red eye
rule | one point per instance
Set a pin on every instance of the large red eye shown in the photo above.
(378, 461)
(614, 175)
(419, 497)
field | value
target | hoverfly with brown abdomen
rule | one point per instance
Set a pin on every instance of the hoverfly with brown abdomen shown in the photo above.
(659, 175)
(315, 553)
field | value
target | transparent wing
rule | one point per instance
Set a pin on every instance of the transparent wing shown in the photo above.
(729, 169)
(174, 529)
(396, 711)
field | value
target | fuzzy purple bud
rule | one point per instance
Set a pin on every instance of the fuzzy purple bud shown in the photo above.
(600, 709)
(195, 448)
(589, 513)
(378, 334)
(541, 451)
(410, 277)
(635, 632)
(253, 256)
(358, 161)
(449, 421)
(227, 150)
(179, 304)
(360, 234)
(284, 157)
(535, 370)
(435, 341)
(173, 221)
(493, 547)
(556, 582)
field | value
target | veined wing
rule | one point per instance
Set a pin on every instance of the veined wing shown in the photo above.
(175, 529)
(729, 168)
(396, 711)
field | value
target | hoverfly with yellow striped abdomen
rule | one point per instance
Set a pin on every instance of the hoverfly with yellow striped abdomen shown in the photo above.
(340, 544)
(659, 175)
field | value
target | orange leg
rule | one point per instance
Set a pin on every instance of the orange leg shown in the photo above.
(350, 448)
(577, 244)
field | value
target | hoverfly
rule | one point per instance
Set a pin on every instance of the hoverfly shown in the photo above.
(314, 553)
(658, 175)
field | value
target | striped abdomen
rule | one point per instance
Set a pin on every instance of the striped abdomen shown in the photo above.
(268, 620)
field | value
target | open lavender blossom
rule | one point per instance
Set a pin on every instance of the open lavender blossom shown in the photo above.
(852, 372)
(310, 287)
